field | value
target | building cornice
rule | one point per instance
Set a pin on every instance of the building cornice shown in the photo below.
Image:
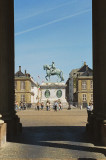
(25, 79)
(85, 77)
(23, 91)
(84, 91)
(53, 85)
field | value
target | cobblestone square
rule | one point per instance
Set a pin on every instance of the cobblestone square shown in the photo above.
(49, 135)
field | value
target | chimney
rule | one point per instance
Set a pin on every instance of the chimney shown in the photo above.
(25, 71)
(19, 68)
(84, 63)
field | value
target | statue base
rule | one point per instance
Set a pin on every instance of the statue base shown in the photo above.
(54, 92)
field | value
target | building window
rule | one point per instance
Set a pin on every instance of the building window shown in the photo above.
(91, 97)
(84, 98)
(22, 85)
(83, 84)
(22, 98)
(91, 85)
(15, 85)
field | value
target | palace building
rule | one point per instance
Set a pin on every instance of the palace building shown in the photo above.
(80, 86)
(26, 89)
(84, 92)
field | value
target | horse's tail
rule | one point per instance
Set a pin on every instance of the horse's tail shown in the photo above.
(62, 79)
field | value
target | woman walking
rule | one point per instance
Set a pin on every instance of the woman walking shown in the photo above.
(38, 104)
(42, 105)
(47, 105)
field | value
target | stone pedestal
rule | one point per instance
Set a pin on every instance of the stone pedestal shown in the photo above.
(103, 133)
(2, 134)
(53, 92)
(97, 121)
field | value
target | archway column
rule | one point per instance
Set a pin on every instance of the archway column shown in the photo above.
(97, 122)
(7, 67)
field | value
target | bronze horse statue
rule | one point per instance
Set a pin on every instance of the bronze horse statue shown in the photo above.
(50, 72)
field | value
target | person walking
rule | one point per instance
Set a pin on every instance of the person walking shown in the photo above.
(89, 110)
(38, 104)
(21, 105)
(55, 106)
(60, 106)
(42, 105)
(80, 107)
(47, 105)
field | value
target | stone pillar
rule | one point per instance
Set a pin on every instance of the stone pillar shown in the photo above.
(7, 66)
(98, 119)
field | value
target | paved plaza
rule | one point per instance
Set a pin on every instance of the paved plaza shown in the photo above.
(49, 135)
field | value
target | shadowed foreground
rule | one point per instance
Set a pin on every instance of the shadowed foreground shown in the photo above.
(52, 135)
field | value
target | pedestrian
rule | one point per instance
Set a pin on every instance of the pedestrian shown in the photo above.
(24, 106)
(60, 106)
(80, 107)
(91, 107)
(55, 106)
(16, 105)
(42, 105)
(38, 104)
(89, 110)
(21, 105)
(47, 105)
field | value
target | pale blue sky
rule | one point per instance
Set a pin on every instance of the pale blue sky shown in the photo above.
(52, 30)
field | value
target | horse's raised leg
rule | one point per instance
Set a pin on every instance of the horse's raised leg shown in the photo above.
(58, 77)
(61, 76)
(46, 78)
(49, 78)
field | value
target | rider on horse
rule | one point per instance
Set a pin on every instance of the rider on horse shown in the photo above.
(51, 70)
(52, 67)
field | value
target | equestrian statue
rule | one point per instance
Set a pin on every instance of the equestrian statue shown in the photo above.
(51, 70)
